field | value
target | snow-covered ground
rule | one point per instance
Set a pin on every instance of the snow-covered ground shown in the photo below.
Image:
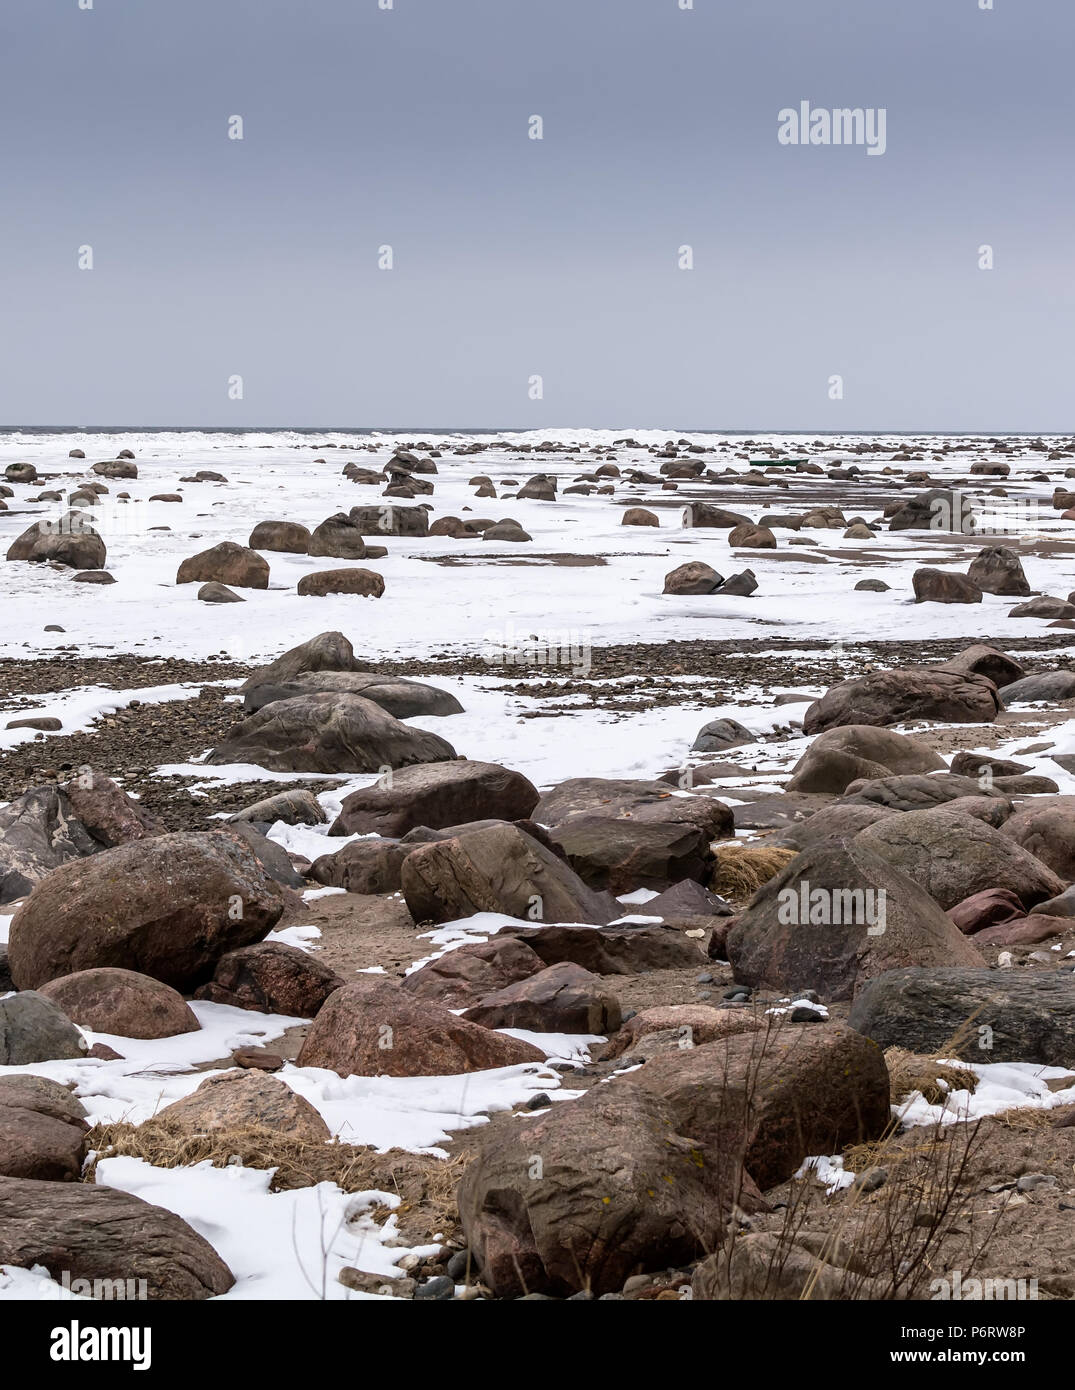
(473, 606)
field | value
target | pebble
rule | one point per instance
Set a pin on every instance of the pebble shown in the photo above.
(440, 1289)
(458, 1266)
(538, 1102)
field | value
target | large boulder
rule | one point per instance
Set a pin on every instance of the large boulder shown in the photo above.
(561, 998)
(291, 537)
(840, 755)
(838, 822)
(470, 973)
(982, 660)
(771, 1099)
(647, 803)
(34, 1029)
(436, 794)
(169, 907)
(328, 651)
(939, 509)
(38, 832)
(106, 812)
(107, 1000)
(976, 1015)
(390, 521)
(998, 570)
(363, 866)
(953, 856)
(896, 697)
(1045, 606)
(838, 915)
(339, 537)
(271, 978)
(496, 869)
(1046, 829)
(246, 1099)
(694, 577)
(623, 855)
(299, 807)
(589, 1194)
(365, 583)
(403, 699)
(226, 563)
(684, 1025)
(623, 950)
(913, 791)
(708, 515)
(42, 1130)
(86, 1231)
(374, 1028)
(120, 467)
(327, 732)
(71, 541)
(944, 586)
(1047, 686)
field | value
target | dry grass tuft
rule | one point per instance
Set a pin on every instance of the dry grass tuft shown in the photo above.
(910, 1071)
(425, 1185)
(1026, 1117)
(740, 870)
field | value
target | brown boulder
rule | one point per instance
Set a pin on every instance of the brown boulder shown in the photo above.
(363, 866)
(998, 570)
(94, 1232)
(694, 577)
(559, 999)
(897, 697)
(836, 916)
(168, 907)
(626, 950)
(107, 812)
(944, 586)
(271, 978)
(498, 869)
(287, 536)
(365, 583)
(338, 537)
(1047, 830)
(243, 1099)
(462, 977)
(107, 1000)
(591, 1193)
(226, 563)
(374, 1028)
(436, 794)
(770, 1100)
(622, 855)
(327, 732)
(953, 856)
(986, 909)
(42, 1130)
(328, 651)
(694, 1024)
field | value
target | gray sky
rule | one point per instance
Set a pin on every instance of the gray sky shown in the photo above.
(515, 257)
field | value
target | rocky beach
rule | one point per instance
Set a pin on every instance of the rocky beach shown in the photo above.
(581, 864)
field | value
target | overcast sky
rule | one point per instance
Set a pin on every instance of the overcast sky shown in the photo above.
(516, 258)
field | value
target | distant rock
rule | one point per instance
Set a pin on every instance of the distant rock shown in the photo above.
(226, 563)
